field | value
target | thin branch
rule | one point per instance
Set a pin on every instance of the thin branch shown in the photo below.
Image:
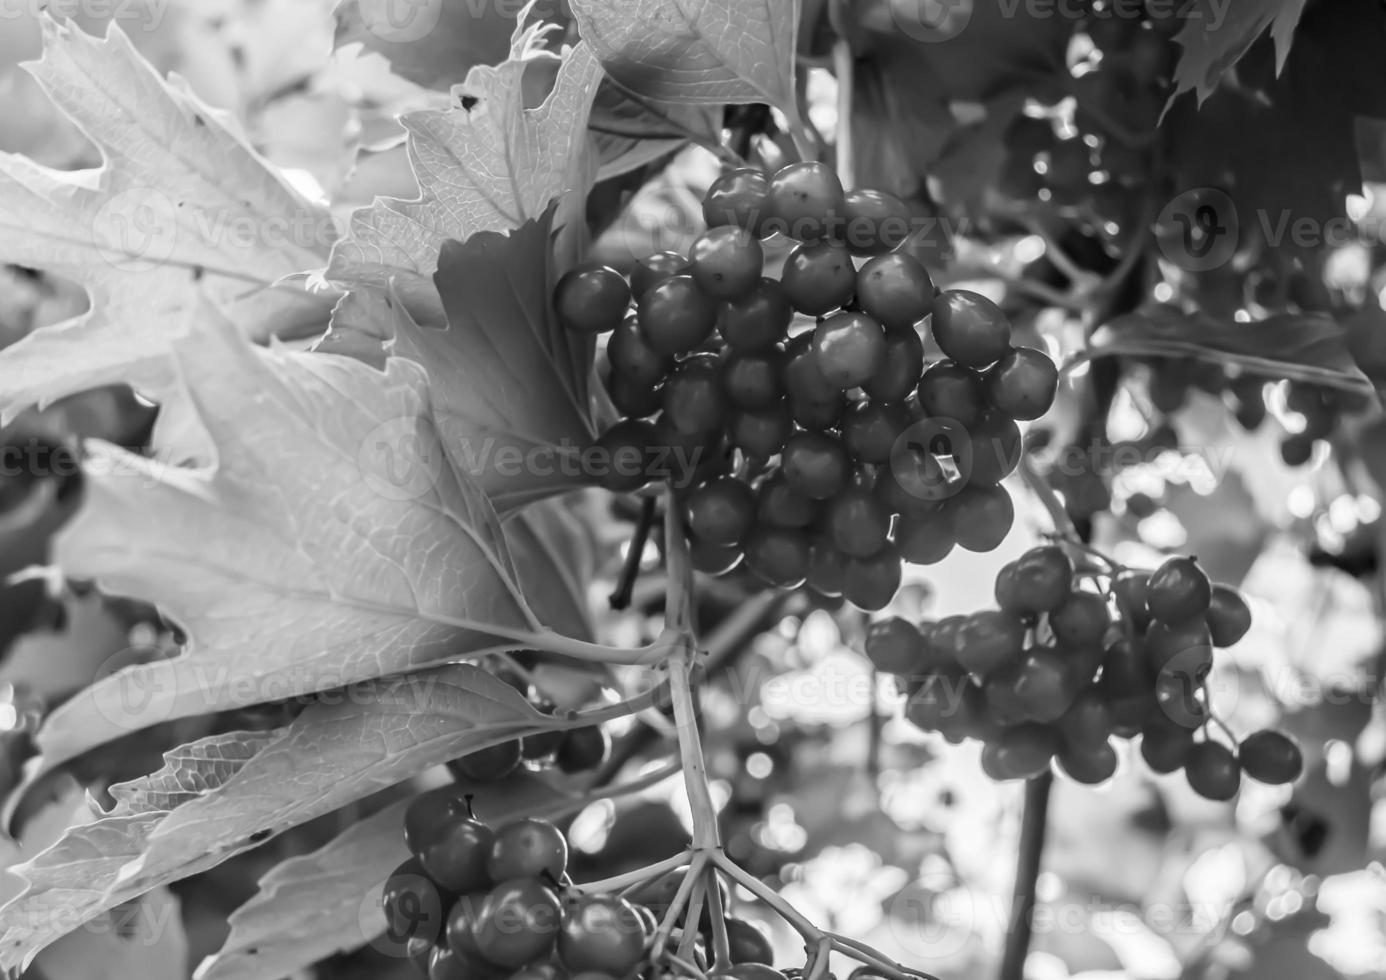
(1034, 821)
(630, 571)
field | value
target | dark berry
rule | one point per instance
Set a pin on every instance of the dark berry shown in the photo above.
(896, 290)
(583, 749)
(1178, 591)
(1270, 757)
(970, 328)
(632, 359)
(489, 764)
(693, 399)
(738, 198)
(875, 222)
(1022, 384)
(754, 381)
(654, 269)
(527, 849)
(757, 320)
(805, 200)
(948, 390)
(675, 316)
(591, 299)
(726, 262)
(778, 556)
(982, 517)
(850, 348)
(1212, 771)
(901, 368)
(819, 276)
(815, 464)
(1228, 616)
(871, 583)
(857, 523)
(722, 511)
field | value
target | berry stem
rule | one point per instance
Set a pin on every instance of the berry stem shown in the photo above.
(630, 571)
(769, 896)
(692, 922)
(843, 68)
(821, 954)
(637, 877)
(1033, 823)
(677, 904)
(1039, 486)
(721, 948)
(863, 953)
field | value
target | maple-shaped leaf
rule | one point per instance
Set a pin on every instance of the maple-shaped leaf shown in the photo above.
(486, 164)
(715, 52)
(188, 772)
(345, 746)
(183, 212)
(438, 42)
(508, 384)
(314, 905)
(331, 543)
(1216, 34)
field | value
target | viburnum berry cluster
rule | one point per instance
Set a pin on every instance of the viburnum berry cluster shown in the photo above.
(1071, 658)
(818, 445)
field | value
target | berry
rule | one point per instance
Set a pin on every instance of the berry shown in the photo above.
(857, 523)
(518, 922)
(1165, 745)
(1131, 589)
(1212, 771)
(894, 646)
(895, 289)
(1178, 591)
(746, 943)
(1037, 581)
(804, 200)
(622, 457)
(778, 556)
(827, 568)
(753, 381)
(632, 359)
(738, 198)
(693, 400)
(818, 414)
(601, 933)
(875, 222)
(1081, 620)
(445, 963)
(675, 316)
(1022, 384)
(1089, 765)
(1088, 719)
(488, 764)
(761, 435)
(757, 320)
(850, 348)
(722, 511)
(1228, 616)
(870, 429)
(819, 276)
(591, 299)
(925, 538)
(1046, 684)
(995, 450)
(899, 372)
(970, 328)
(583, 749)
(1186, 646)
(431, 815)
(982, 517)
(1270, 757)
(414, 905)
(779, 504)
(948, 390)
(1022, 751)
(871, 583)
(726, 262)
(713, 559)
(988, 640)
(527, 849)
(815, 464)
(633, 400)
(654, 269)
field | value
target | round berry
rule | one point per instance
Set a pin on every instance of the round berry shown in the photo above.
(1022, 384)
(1022, 751)
(591, 299)
(827, 568)
(871, 583)
(1228, 616)
(528, 848)
(414, 905)
(1178, 591)
(602, 933)
(1212, 771)
(675, 316)
(1131, 588)
(1088, 719)
(746, 943)
(995, 445)
(815, 465)
(901, 368)
(1038, 581)
(1270, 757)
(726, 262)
(1089, 765)
(518, 922)
(761, 435)
(758, 320)
(1081, 620)
(738, 198)
(925, 538)
(621, 460)
(870, 429)
(654, 269)
(818, 414)
(982, 517)
(805, 200)
(583, 749)
(632, 399)
(722, 511)
(632, 359)
(874, 222)
(894, 646)
(488, 764)
(857, 523)
(778, 556)
(850, 348)
(693, 399)
(970, 328)
(1165, 746)
(948, 390)
(753, 382)
(896, 290)
(989, 639)
(819, 276)
(804, 379)
(779, 504)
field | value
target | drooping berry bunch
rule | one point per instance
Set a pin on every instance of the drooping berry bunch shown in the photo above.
(1058, 669)
(796, 414)
(571, 751)
(476, 902)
